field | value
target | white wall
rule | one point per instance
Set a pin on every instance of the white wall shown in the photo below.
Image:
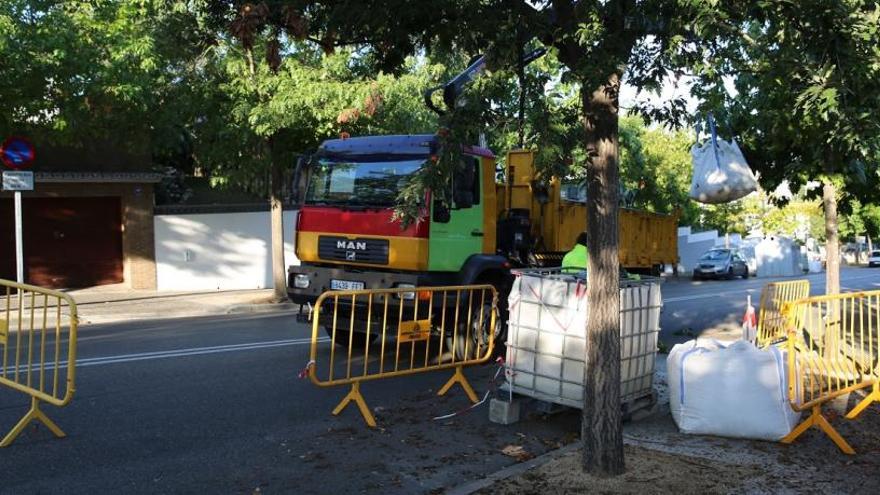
(735, 240)
(777, 257)
(773, 256)
(218, 251)
(692, 245)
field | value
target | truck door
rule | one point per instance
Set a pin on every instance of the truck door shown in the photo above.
(452, 242)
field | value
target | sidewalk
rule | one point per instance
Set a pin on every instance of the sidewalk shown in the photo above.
(660, 459)
(115, 303)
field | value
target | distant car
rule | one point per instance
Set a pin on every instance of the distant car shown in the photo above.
(874, 259)
(721, 263)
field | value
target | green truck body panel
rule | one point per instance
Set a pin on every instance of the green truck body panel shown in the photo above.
(450, 244)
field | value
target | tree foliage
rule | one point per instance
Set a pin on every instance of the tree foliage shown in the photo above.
(807, 89)
(311, 97)
(807, 76)
(77, 71)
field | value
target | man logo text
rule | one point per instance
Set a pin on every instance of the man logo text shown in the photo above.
(356, 245)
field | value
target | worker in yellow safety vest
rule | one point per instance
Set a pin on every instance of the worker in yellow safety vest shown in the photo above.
(575, 261)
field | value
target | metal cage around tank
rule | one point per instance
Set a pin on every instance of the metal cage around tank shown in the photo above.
(546, 339)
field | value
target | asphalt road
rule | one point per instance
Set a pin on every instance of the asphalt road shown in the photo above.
(214, 405)
(717, 306)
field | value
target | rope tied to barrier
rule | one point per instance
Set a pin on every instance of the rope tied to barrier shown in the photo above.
(305, 371)
(493, 385)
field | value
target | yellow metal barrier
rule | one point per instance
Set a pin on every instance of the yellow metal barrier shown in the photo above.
(833, 350)
(772, 326)
(386, 333)
(37, 346)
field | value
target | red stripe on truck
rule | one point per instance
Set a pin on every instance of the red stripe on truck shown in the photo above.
(354, 223)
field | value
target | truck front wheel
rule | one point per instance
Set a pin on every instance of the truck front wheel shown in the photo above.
(471, 340)
(481, 341)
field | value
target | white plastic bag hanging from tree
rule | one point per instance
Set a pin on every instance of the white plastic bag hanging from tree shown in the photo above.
(721, 174)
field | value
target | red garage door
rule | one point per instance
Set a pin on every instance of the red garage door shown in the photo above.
(68, 242)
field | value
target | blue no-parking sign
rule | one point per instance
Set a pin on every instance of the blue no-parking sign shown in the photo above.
(17, 152)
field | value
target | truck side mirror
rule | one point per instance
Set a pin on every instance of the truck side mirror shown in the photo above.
(441, 213)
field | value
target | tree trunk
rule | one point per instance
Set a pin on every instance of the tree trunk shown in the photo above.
(832, 241)
(601, 427)
(276, 207)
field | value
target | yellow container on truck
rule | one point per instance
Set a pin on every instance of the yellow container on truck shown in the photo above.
(647, 239)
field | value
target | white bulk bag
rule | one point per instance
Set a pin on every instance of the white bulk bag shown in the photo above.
(730, 390)
(721, 173)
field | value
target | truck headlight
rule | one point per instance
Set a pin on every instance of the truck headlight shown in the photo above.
(409, 296)
(301, 281)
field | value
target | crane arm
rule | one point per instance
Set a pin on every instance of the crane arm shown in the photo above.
(455, 87)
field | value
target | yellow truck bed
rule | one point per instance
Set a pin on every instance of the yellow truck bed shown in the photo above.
(646, 239)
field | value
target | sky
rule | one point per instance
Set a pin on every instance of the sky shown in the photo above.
(671, 89)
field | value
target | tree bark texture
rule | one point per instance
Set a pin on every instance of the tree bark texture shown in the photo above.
(601, 427)
(276, 208)
(832, 240)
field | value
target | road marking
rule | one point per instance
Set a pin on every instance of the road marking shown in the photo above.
(707, 296)
(192, 351)
(750, 290)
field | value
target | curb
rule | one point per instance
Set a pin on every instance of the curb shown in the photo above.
(511, 471)
(261, 308)
(97, 318)
(153, 297)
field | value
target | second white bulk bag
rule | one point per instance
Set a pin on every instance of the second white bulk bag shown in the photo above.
(730, 390)
(721, 174)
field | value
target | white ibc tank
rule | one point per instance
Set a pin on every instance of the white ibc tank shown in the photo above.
(546, 339)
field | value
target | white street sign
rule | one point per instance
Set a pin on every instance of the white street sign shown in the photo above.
(18, 181)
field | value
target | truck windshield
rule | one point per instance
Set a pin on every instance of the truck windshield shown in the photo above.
(359, 183)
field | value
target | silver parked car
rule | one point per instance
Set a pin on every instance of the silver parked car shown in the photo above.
(874, 259)
(721, 263)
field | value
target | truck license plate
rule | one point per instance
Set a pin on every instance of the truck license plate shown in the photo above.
(345, 285)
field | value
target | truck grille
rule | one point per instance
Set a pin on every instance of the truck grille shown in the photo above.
(374, 251)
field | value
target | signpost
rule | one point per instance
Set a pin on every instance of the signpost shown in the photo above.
(17, 153)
